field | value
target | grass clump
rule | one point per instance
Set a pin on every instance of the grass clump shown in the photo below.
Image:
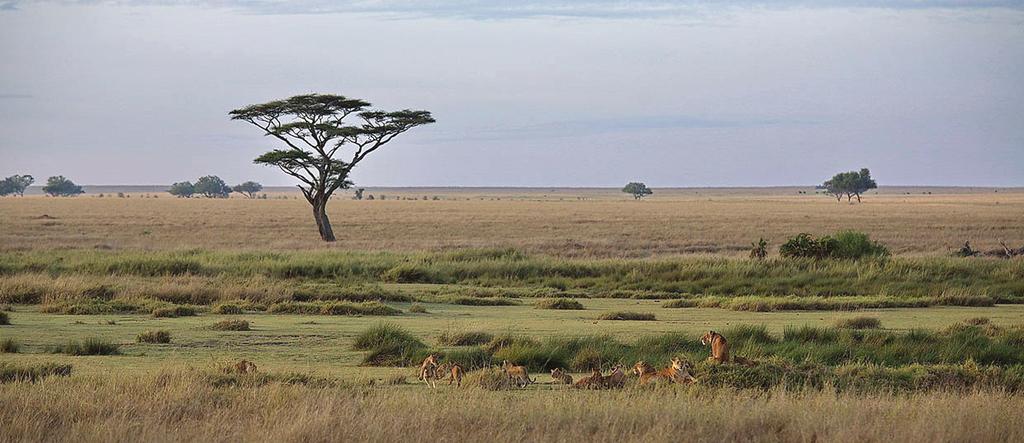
(680, 303)
(227, 309)
(480, 301)
(491, 379)
(333, 308)
(11, 372)
(627, 315)
(449, 338)
(4, 318)
(977, 321)
(233, 324)
(559, 303)
(860, 322)
(88, 346)
(388, 344)
(159, 336)
(844, 245)
(417, 308)
(9, 346)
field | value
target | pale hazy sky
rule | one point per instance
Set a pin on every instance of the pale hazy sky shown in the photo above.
(544, 93)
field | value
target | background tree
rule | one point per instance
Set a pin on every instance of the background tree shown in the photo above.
(850, 184)
(212, 186)
(59, 186)
(639, 190)
(316, 129)
(249, 189)
(182, 189)
(16, 184)
(359, 194)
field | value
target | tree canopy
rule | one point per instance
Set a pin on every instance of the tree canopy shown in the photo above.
(212, 186)
(182, 189)
(16, 184)
(59, 186)
(248, 189)
(850, 184)
(324, 136)
(639, 190)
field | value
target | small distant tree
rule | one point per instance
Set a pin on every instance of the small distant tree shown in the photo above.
(316, 130)
(212, 186)
(249, 189)
(638, 190)
(59, 186)
(182, 189)
(850, 184)
(359, 194)
(16, 184)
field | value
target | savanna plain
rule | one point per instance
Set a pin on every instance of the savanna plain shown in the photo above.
(125, 318)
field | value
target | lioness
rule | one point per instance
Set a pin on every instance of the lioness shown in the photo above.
(561, 376)
(455, 374)
(719, 346)
(244, 367)
(592, 381)
(677, 372)
(428, 370)
(616, 379)
(517, 374)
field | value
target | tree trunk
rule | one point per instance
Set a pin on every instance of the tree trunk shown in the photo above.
(322, 222)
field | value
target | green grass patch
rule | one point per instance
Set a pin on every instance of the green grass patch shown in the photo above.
(88, 346)
(388, 344)
(627, 315)
(450, 338)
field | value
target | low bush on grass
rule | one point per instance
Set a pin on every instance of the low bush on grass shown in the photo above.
(12, 372)
(558, 303)
(159, 336)
(9, 346)
(860, 322)
(333, 308)
(88, 346)
(449, 338)
(175, 311)
(417, 308)
(627, 315)
(388, 344)
(848, 245)
(231, 325)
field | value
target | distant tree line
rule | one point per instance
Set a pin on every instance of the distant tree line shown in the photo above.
(212, 186)
(56, 186)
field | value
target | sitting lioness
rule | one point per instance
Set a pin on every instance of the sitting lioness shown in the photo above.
(616, 379)
(677, 372)
(561, 376)
(244, 367)
(592, 381)
(428, 371)
(517, 374)
(719, 346)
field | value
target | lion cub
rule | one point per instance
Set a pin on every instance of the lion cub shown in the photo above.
(561, 376)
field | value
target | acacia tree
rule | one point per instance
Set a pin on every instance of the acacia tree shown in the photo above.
(639, 190)
(182, 189)
(60, 186)
(16, 184)
(212, 186)
(248, 189)
(317, 129)
(851, 184)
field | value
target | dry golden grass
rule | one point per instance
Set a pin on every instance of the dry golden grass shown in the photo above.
(579, 223)
(185, 406)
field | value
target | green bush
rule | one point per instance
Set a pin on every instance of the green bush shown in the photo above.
(627, 315)
(559, 303)
(231, 325)
(11, 372)
(449, 338)
(861, 322)
(388, 345)
(160, 336)
(9, 346)
(850, 245)
(88, 346)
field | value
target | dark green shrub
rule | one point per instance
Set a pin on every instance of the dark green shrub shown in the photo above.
(860, 322)
(558, 303)
(388, 345)
(231, 325)
(803, 245)
(11, 372)
(160, 336)
(89, 346)
(449, 338)
(850, 245)
(9, 346)
(627, 315)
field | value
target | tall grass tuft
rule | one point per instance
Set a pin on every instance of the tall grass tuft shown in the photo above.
(88, 346)
(627, 315)
(388, 344)
(9, 346)
(559, 303)
(11, 372)
(159, 336)
(470, 338)
(859, 322)
(233, 324)
(333, 308)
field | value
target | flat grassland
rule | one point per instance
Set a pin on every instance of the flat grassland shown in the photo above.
(91, 275)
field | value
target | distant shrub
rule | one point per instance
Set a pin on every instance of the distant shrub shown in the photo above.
(227, 309)
(417, 308)
(176, 311)
(9, 346)
(11, 372)
(388, 345)
(860, 322)
(679, 303)
(333, 308)
(559, 303)
(627, 315)
(231, 325)
(844, 245)
(977, 321)
(159, 336)
(449, 338)
(89, 346)
(5, 319)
